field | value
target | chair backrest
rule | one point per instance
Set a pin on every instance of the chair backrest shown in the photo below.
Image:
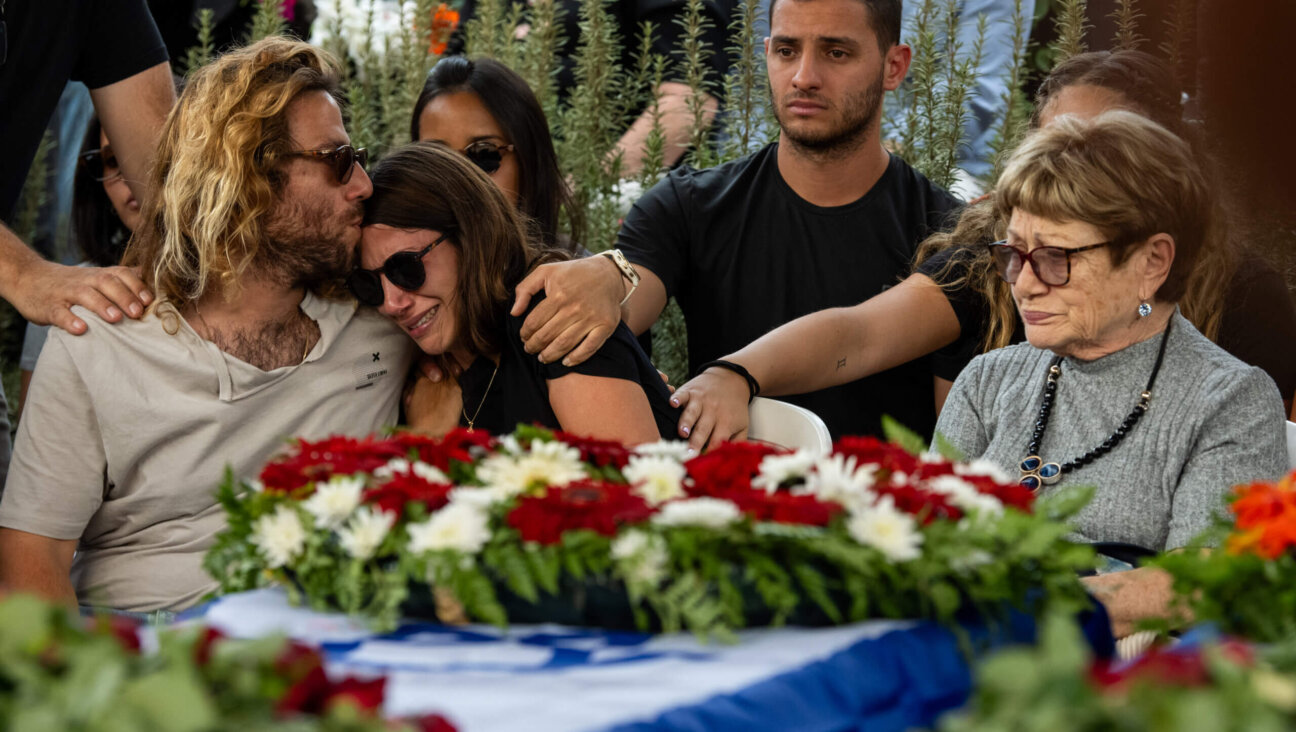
(1291, 445)
(786, 425)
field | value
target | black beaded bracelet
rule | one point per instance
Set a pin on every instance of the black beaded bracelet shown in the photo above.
(752, 384)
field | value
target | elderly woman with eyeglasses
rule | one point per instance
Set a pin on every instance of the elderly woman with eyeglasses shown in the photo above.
(441, 252)
(1114, 387)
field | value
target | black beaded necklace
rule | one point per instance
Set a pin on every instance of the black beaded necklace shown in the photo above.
(1035, 473)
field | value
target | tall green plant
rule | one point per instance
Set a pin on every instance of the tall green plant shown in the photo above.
(745, 89)
(591, 123)
(198, 56)
(1127, 16)
(697, 57)
(1072, 26)
(268, 20)
(1017, 109)
(1181, 26)
(539, 56)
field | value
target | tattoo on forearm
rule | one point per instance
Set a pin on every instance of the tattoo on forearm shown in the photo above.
(841, 364)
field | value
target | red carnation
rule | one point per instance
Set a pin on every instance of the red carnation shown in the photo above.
(601, 453)
(785, 508)
(123, 629)
(456, 446)
(406, 488)
(727, 468)
(585, 504)
(433, 723)
(889, 458)
(364, 694)
(314, 461)
(925, 505)
(202, 650)
(1176, 667)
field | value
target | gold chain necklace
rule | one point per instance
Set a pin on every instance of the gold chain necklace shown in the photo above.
(480, 404)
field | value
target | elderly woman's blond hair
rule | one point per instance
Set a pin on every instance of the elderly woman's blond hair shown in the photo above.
(1121, 173)
(217, 174)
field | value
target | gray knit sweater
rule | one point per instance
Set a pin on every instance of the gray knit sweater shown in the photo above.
(1214, 422)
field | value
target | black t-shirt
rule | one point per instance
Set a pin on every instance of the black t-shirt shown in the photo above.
(97, 42)
(520, 394)
(1258, 325)
(628, 16)
(743, 254)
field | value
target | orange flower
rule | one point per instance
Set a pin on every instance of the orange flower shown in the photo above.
(1266, 518)
(444, 22)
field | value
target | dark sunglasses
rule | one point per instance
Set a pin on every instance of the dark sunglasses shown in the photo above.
(403, 269)
(102, 167)
(1052, 265)
(486, 155)
(343, 159)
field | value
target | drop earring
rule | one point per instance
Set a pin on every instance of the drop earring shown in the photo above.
(1144, 310)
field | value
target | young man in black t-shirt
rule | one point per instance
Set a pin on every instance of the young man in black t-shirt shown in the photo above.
(823, 218)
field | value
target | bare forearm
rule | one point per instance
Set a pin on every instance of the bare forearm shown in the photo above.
(133, 111)
(1133, 596)
(807, 354)
(15, 258)
(677, 127)
(37, 565)
(840, 345)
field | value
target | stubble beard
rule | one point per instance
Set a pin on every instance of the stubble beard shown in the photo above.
(307, 247)
(858, 113)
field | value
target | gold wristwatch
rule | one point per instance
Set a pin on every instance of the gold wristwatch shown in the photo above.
(627, 271)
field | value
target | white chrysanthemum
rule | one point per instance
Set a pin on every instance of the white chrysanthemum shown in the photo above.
(334, 502)
(280, 536)
(887, 529)
(509, 444)
(775, 470)
(460, 526)
(965, 496)
(365, 531)
(710, 513)
(982, 467)
(643, 556)
(840, 478)
(674, 449)
(429, 472)
(483, 497)
(393, 466)
(656, 479)
(547, 464)
(400, 466)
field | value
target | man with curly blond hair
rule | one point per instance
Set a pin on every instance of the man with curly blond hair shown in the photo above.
(111, 498)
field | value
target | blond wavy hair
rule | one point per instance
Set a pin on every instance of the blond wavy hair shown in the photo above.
(217, 173)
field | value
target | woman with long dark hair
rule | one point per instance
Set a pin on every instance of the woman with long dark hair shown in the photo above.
(484, 110)
(441, 254)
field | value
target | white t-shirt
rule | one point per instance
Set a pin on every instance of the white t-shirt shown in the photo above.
(128, 431)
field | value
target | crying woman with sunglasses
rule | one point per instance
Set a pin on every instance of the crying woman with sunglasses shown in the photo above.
(441, 253)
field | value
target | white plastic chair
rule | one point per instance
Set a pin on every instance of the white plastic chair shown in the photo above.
(786, 425)
(1291, 445)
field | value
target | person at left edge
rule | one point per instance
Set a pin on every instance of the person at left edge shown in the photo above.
(110, 500)
(114, 48)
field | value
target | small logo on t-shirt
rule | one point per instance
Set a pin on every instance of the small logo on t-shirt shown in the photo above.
(368, 370)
